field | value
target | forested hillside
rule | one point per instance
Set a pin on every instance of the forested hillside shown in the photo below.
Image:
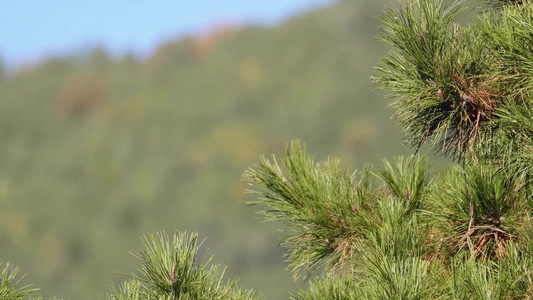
(97, 151)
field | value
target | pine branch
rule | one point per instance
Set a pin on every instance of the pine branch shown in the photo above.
(10, 288)
(330, 212)
(449, 81)
(515, 149)
(390, 264)
(408, 179)
(477, 210)
(507, 33)
(482, 279)
(128, 290)
(321, 204)
(171, 270)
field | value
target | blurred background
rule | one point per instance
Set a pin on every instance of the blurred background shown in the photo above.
(121, 118)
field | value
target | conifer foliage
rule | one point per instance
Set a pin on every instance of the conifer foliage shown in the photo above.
(402, 231)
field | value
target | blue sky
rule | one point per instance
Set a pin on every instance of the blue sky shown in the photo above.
(33, 29)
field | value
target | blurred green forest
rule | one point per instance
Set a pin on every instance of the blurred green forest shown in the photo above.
(96, 151)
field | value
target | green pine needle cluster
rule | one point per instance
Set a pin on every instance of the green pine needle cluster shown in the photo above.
(451, 83)
(171, 269)
(10, 287)
(399, 232)
(479, 211)
(331, 211)
(318, 202)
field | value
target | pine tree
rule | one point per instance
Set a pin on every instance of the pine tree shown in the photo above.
(402, 231)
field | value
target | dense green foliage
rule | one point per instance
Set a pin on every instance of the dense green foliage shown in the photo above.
(402, 231)
(409, 234)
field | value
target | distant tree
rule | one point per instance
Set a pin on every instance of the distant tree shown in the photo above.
(401, 232)
(99, 59)
(77, 96)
